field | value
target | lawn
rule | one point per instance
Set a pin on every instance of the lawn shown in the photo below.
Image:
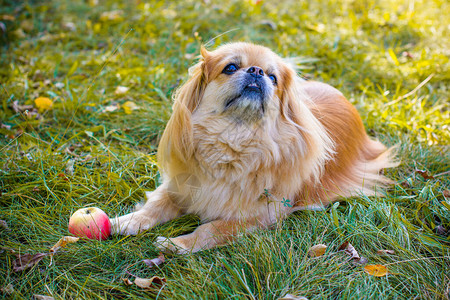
(108, 70)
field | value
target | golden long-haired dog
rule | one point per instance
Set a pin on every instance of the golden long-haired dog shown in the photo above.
(248, 143)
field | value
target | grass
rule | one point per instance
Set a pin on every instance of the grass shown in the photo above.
(391, 59)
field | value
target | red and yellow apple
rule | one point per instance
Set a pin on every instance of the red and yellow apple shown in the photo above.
(91, 222)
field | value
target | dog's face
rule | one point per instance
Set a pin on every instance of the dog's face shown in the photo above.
(237, 95)
(243, 81)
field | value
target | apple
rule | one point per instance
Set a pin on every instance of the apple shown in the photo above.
(90, 222)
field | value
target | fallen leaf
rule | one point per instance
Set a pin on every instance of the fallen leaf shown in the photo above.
(146, 283)
(59, 85)
(376, 270)
(43, 103)
(69, 26)
(155, 261)
(385, 252)
(9, 289)
(63, 243)
(42, 297)
(405, 184)
(111, 108)
(350, 250)
(7, 18)
(424, 174)
(26, 261)
(317, 250)
(121, 90)
(69, 167)
(114, 15)
(129, 106)
(63, 176)
(407, 54)
(292, 297)
(4, 225)
(127, 281)
(21, 108)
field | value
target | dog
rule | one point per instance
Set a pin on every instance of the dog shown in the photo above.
(250, 142)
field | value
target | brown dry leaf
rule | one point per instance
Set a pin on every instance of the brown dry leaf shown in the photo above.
(63, 243)
(42, 297)
(155, 261)
(127, 281)
(317, 250)
(424, 174)
(147, 283)
(21, 108)
(385, 252)
(26, 261)
(376, 270)
(350, 250)
(63, 176)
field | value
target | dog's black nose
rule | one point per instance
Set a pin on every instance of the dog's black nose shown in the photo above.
(257, 71)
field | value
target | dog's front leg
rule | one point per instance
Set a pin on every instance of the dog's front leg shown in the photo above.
(206, 236)
(159, 208)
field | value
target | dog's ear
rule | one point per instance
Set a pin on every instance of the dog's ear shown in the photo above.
(295, 110)
(176, 145)
(292, 106)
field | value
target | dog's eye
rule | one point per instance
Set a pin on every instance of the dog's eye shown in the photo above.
(230, 69)
(273, 78)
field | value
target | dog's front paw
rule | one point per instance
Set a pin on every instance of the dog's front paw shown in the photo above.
(130, 224)
(171, 245)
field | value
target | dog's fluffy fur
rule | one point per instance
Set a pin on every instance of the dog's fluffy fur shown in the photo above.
(250, 142)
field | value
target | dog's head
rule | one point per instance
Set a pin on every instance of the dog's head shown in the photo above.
(242, 82)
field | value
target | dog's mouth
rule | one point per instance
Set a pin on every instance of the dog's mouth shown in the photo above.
(251, 93)
(253, 87)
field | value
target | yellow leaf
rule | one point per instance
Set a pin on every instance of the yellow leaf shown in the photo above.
(43, 103)
(376, 270)
(129, 106)
(317, 250)
(63, 243)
